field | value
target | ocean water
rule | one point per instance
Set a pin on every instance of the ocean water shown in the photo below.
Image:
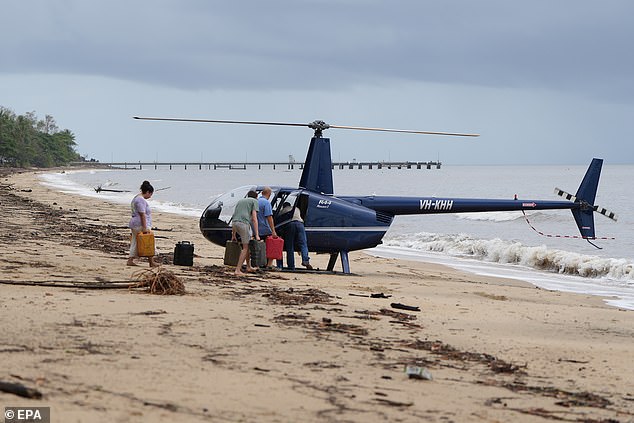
(496, 244)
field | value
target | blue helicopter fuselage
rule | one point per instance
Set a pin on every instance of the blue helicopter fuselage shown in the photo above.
(351, 223)
(332, 224)
(430, 205)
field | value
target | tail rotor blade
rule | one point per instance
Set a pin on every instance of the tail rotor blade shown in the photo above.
(598, 209)
(564, 194)
(606, 213)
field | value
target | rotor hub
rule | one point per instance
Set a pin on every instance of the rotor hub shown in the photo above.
(319, 126)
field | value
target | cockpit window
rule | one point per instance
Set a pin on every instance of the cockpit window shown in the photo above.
(284, 205)
(223, 206)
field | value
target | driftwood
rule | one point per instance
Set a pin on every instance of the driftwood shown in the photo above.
(99, 189)
(20, 390)
(73, 284)
(404, 307)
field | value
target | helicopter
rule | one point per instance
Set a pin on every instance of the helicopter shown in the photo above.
(336, 225)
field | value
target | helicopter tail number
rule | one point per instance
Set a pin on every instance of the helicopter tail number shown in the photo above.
(445, 205)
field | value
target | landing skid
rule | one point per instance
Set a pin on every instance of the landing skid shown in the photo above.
(345, 263)
(315, 272)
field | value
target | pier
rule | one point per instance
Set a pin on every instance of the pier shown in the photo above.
(260, 165)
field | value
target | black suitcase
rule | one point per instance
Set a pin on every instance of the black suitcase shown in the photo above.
(258, 253)
(184, 253)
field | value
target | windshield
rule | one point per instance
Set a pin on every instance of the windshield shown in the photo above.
(223, 206)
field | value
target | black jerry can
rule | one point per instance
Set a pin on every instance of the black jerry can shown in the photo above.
(184, 253)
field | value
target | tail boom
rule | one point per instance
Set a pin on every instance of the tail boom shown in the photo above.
(581, 204)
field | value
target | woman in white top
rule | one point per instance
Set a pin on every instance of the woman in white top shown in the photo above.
(141, 220)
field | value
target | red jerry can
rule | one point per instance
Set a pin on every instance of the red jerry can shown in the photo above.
(274, 247)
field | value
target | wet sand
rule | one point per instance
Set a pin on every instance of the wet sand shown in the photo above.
(278, 346)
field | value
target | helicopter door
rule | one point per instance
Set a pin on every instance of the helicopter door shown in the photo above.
(284, 206)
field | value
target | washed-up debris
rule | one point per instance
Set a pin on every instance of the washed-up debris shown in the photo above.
(379, 295)
(417, 372)
(325, 324)
(394, 403)
(151, 312)
(448, 352)
(568, 360)
(98, 189)
(96, 284)
(298, 297)
(566, 398)
(364, 315)
(404, 307)
(323, 365)
(159, 281)
(397, 315)
(407, 324)
(20, 390)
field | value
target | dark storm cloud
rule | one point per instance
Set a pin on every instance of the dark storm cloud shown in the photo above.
(573, 46)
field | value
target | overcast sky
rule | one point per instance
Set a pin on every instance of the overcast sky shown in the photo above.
(542, 81)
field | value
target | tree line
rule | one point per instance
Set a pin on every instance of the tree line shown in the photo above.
(27, 141)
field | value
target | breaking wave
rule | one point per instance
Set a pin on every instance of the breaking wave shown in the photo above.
(508, 252)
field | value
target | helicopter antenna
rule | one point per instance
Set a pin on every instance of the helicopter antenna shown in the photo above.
(318, 126)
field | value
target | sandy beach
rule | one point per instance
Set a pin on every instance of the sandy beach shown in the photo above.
(285, 347)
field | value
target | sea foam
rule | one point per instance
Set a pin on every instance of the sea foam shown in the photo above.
(508, 252)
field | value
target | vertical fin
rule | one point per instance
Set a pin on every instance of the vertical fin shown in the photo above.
(317, 173)
(588, 189)
(586, 194)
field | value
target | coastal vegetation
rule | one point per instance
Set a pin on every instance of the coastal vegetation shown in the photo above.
(26, 141)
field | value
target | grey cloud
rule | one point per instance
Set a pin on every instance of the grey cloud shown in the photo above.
(578, 47)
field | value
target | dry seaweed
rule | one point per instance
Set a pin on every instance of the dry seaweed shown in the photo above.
(448, 352)
(291, 296)
(325, 325)
(159, 281)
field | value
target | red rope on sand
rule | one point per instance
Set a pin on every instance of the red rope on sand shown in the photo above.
(559, 236)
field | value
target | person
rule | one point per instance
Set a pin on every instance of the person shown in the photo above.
(266, 226)
(141, 220)
(245, 214)
(295, 235)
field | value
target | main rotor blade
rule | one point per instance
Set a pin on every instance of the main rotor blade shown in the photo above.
(221, 121)
(318, 124)
(408, 131)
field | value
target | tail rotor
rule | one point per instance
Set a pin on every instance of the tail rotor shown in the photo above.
(584, 209)
(607, 213)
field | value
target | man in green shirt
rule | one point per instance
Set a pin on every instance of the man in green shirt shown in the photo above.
(245, 214)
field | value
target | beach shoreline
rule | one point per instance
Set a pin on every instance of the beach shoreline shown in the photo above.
(287, 347)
